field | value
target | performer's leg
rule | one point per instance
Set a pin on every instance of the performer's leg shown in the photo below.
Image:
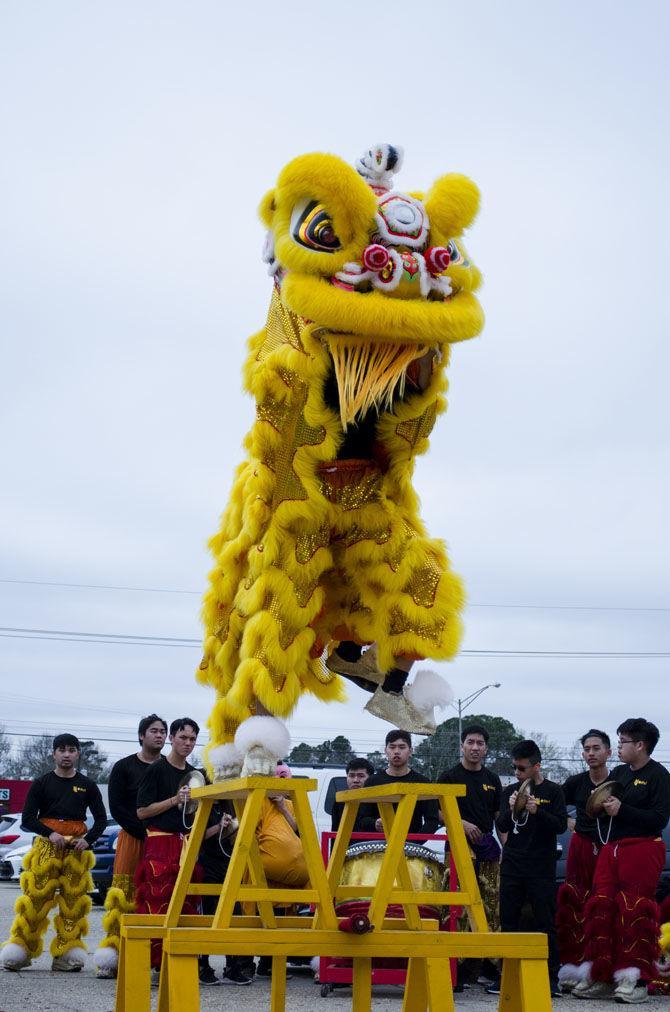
(600, 919)
(639, 864)
(39, 882)
(572, 898)
(120, 900)
(74, 905)
(512, 897)
(542, 898)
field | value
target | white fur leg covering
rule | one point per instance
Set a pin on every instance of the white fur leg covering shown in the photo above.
(225, 761)
(573, 972)
(75, 957)
(627, 975)
(13, 955)
(262, 741)
(429, 690)
(106, 958)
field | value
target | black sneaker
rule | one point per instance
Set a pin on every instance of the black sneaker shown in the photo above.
(235, 977)
(493, 988)
(206, 975)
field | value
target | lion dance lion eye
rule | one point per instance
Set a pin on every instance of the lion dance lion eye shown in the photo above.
(312, 227)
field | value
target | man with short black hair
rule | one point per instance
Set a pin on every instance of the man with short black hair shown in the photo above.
(528, 868)
(58, 864)
(622, 918)
(585, 845)
(479, 808)
(161, 804)
(398, 750)
(124, 781)
(358, 772)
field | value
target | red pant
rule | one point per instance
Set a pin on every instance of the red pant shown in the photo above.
(622, 917)
(572, 898)
(155, 880)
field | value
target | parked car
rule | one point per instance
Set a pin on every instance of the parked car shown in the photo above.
(11, 834)
(11, 865)
(104, 849)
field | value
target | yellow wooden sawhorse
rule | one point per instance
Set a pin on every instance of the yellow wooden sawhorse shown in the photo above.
(525, 985)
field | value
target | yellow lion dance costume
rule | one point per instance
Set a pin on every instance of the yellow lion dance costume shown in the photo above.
(321, 545)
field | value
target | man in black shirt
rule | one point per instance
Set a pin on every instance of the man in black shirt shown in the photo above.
(58, 864)
(479, 808)
(528, 868)
(585, 845)
(622, 922)
(124, 781)
(358, 773)
(160, 807)
(398, 749)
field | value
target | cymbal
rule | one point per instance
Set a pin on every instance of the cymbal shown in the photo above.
(192, 779)
(600, 794)
(524, 790)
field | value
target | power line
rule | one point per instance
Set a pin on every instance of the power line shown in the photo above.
(132, 639)
(199, 593)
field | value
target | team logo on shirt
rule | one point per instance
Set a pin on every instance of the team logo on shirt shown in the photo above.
(639, 783)
(542, 801)
(78, 790)
(488, 787)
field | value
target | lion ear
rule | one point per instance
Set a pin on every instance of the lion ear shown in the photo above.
(267, 208)
(452, 203)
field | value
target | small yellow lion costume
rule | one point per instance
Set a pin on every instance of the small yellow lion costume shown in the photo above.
(322, 540)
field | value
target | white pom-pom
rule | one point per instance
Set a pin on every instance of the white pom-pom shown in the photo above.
(14, 955)
(106, 958)
(263, 732)
(573, 973)
(627, 975)
(225, 760)
(429, 690)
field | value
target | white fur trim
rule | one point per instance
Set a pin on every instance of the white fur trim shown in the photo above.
(12, 953)
(106, 958)
(627, 975)
(75, 957)
(225, 760)
(662, 968)
(571, 971)
(264, 732)
(429, 690)
(315, 962)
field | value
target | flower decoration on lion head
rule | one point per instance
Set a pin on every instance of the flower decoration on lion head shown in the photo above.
(321, 552)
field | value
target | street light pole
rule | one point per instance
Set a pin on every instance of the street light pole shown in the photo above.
(462, 704)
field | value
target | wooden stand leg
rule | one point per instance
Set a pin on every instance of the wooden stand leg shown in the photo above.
(525, 986)
(183, 983)
(415, 998)
(133, 985)
(362, 985)
(278, 984)
(440, 991)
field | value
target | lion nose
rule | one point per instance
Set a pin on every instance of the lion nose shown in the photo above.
(376, 257)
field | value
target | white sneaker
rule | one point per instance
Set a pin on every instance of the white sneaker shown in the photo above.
(593, 989)
(630, 993)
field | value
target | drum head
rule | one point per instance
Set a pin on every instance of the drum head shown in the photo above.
(594, 805)
(525, 789)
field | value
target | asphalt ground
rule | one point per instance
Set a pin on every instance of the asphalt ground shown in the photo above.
(38, 990)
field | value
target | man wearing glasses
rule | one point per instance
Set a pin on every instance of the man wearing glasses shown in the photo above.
(622, 922)
(528, 868)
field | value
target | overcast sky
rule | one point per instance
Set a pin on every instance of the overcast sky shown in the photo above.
(138, 139)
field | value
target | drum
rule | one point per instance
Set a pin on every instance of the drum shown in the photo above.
(362, 865)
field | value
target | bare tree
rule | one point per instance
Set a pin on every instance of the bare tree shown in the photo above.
(34, 757)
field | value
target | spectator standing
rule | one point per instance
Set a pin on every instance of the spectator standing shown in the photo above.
(585, 845)
(124, 781)
(358, 772)
(622, 918)
(58, 865)
(398, 751)
(528, 868)
(479, 808)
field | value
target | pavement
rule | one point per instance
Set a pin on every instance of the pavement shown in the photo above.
(39, 990)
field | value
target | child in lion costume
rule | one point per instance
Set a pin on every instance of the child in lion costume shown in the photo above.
(321, 546)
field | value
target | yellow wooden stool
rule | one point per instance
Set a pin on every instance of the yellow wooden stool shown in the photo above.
(525, 978)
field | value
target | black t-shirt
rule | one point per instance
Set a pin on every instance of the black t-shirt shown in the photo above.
(426, 815)
(483, 794)
(576, 791)
(54, 797)
(531, 853)
(215, 851)
(161, 781)
(124, 781)
(645, 805)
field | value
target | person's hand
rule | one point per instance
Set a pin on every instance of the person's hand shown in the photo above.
(512, 798)
(531, 805)
(612, 805)
(280, 801)
(79, 844)
(58, 841)
(183, 795)
(571, 824)
(226, 820)
(379, 826)
(473, 833)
